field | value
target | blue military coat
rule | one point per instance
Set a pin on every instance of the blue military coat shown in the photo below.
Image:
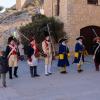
(63, 50)
(79, 49)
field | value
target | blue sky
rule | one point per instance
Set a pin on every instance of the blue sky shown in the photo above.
(7, 3)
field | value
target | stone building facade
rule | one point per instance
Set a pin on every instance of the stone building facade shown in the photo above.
(21, 3)
(77, 15)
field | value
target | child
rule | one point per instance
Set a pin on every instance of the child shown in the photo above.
(3, 68)
(63, 56)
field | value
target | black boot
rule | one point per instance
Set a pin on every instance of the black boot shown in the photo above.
(15, 72)
(10, 73)
(31, 71)
(35, 72)
(97, 67)
(79, 71)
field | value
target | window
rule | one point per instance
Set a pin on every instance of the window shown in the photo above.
(92, 2)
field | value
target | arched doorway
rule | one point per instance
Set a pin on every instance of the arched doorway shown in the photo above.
(88, 33)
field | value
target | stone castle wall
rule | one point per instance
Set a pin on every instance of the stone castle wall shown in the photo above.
(75, 14)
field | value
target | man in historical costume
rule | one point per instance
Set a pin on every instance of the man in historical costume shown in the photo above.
(79, 48)
(96, 50)
(21, 51)
(63, 56)
(33, 54)
(47, 49)
(12, 54)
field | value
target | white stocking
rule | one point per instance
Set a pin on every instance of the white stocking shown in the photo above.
(46, 69)
(49, 68)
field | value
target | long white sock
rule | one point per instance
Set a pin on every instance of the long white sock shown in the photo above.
(49, 68)
(46, 69)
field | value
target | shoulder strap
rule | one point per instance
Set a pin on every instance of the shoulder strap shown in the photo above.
(12, 49)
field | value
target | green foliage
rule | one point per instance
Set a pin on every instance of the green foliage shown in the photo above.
(38, 28)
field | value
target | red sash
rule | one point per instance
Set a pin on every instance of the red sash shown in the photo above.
(36, 51)
(13, 50)
(13, 47)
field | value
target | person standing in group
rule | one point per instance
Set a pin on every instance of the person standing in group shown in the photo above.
(96, 50)
(21, 51)
(3, 68)
(12, 54)
(33, 54)
(79, 48)
(47, 49)
(63, 56)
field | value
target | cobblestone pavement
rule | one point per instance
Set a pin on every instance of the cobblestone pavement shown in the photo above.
(72, 86)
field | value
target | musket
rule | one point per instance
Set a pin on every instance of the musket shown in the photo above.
(28, 40)
(24, 36)
(98, 43)
(52, 46)
(94, 32)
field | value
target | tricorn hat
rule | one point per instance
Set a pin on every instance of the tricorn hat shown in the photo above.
(10, 39)
(31, 39)
(80, 37)
(46, 34)
(63, 39)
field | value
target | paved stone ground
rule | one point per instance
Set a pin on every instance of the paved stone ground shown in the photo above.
(72, 86)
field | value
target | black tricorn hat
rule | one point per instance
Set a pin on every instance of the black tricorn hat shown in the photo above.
(61, 40)
(46, 34)
(10, 39)
(31, 39)
(80, 37)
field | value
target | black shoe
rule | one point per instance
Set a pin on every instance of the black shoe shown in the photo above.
(46, 74)
(10, 78)
(50, 73)
(63, 72)
(16, 75)
(79, 71)
(36, 75)
(4, 85)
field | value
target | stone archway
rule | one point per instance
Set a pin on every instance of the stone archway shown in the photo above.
(88, 33)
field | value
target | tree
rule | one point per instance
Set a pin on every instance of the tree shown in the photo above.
(38, 28)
